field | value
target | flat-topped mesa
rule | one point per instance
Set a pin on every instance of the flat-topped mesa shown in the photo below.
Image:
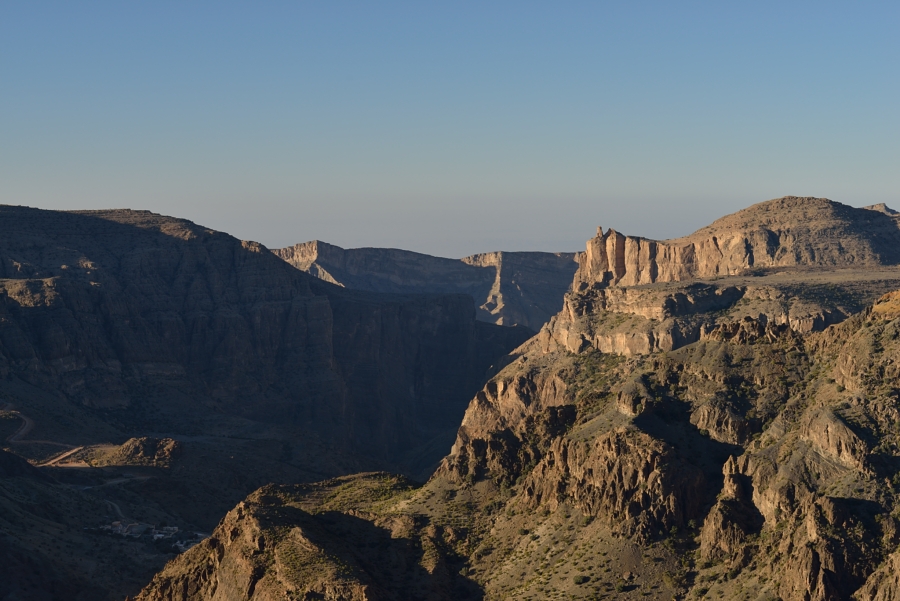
(785, 232)
(613, 259)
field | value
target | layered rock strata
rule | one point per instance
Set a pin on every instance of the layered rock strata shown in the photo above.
(509, 288)
(786, 232)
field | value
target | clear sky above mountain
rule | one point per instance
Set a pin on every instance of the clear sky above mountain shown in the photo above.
(448, 128)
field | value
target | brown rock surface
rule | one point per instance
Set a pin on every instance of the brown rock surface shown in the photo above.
(785, 232)
(636, 484)
(286, 543)
(884, 583)
(145, 450)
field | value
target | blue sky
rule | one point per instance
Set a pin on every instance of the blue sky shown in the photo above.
(448, 128)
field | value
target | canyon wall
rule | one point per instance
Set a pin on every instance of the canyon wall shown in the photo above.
(132, 313)
(509, 288)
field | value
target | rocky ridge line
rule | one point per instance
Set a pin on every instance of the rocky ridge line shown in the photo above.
(509, 288)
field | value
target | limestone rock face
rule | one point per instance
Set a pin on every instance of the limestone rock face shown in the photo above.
(784, 232)
(112, 309)
(509, 288)
(639, 320)
(832, 437)
(882, 208)
(884, 583)
(634, 483)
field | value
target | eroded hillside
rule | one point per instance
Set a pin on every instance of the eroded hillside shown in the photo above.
(758, 463)
(732, 437)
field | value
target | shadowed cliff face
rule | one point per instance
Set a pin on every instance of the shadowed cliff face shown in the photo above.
(131, 313)
(524, 288)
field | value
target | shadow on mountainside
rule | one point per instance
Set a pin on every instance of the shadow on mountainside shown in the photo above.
(124, 324)
(669, 421)
(115, 308)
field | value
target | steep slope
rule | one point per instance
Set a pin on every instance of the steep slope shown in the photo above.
(758, 463)
(731, 437)
(524, 288)
(135, 313)
(226, 367)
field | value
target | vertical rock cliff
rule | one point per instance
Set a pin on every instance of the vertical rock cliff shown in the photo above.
(786, 232)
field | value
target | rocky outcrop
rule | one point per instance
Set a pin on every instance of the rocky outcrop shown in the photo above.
(663, 317)
(888, 306)
(732, 519)
(272, 546)
(509, 288)
(145, 450)
(884, 583)
(784, 232)
(640, 320)
(635, 484)
(834, 439)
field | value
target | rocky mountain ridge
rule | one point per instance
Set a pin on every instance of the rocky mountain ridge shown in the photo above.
(100, 307)
(509, 288)
(785, 232)
(804, 262)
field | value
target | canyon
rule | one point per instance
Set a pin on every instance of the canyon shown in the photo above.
(118, 325)
(709, 417)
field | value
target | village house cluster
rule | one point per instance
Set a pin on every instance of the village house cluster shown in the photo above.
(181, 542)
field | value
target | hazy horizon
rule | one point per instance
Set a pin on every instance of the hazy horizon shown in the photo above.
(447, 130)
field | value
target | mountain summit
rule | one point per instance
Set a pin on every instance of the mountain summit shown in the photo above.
(786, 232)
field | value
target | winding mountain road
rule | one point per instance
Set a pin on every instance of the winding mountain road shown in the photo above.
(26, 427)
(116, 508)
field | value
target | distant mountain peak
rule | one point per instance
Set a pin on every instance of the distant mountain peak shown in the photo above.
(882, 208)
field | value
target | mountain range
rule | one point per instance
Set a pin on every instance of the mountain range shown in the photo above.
(509, 288)
(714, 416)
